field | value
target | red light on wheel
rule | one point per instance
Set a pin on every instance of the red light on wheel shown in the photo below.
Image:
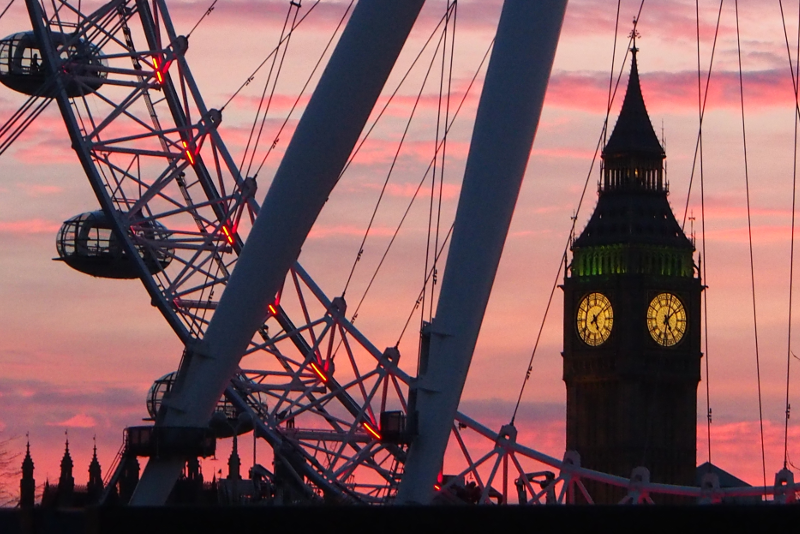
(371, 430)
(159, 75)
(437, 487)
(274, 311)
(317, 370)
(188, 153)
(228, 236)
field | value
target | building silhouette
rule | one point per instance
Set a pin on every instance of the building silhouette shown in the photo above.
(191, 488)
(67, 494)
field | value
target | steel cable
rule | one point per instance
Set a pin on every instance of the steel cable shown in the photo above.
(750, 242)
(266, 88)
(367, 135)
(702, 96)
(794, 69)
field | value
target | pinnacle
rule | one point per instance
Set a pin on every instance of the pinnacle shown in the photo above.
(633, 133)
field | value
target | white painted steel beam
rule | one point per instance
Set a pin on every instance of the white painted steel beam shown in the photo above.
(324, 139)
(508, 114)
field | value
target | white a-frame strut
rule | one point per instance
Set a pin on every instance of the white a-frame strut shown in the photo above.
(505, 124)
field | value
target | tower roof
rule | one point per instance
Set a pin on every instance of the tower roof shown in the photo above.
(633, 133)
(234, 463)
(633, 208)
(27, 462)
(633, 218)
(95, 471)
(66, 460)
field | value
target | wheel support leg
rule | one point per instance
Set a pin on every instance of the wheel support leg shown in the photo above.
(508, 114)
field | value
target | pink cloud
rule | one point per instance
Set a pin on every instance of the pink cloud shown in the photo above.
(529, 233)
(673, 91)
(44, 141)
(30, 226)
(565, 153)
(401, 104)
(235, 136)
(322, 232)
(736, 447)
(40, 190)
(721, 209)
(584, 17)
(407, 190)
(381, 150)
(279, 105)
(255, 12)
(761, 234)
(80, 420)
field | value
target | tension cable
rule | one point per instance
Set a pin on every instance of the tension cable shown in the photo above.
(750, 241)
(451, 6)
(275, 51)
(308, 80)
(794, 69)
(6, 9)
(367, 135)
(414, 197)
(702, 96)
(266, 87)
(207, 13)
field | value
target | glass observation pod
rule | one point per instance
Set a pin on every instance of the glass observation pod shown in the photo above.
(87, 244)
(22, 66)
(226, 420)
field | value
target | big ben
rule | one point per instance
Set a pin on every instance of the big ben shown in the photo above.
(632, 317)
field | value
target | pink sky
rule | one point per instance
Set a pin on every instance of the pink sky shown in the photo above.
(80, 353)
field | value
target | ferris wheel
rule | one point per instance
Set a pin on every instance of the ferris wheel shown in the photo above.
(340, 413)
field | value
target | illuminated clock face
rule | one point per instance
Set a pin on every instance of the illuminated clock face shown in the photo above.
(666, 319)
(595, 319)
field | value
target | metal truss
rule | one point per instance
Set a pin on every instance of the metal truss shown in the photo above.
(314, 386)
(542, 479)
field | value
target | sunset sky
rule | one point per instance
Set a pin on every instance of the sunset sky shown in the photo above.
(79, 354)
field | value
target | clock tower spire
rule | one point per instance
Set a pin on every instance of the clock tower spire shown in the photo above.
(632, 317)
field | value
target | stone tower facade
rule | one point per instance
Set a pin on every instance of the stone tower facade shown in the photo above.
(632, 317)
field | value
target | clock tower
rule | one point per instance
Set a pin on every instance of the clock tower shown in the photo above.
(632, 318)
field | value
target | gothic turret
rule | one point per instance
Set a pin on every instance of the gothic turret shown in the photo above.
(95, 486)
(632, 317)
(66, 482)
(234, 462)
(27, 484)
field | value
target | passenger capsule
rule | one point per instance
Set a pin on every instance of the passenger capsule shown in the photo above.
(87, 243)
(226, 420)
(22, 65)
